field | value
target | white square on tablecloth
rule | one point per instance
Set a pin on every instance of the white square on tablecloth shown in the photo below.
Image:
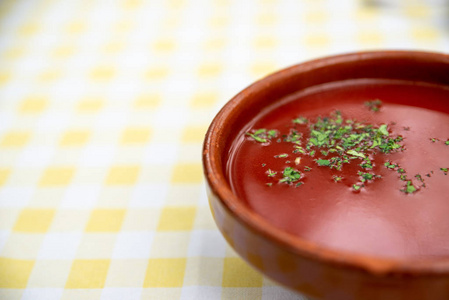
(121, 293)
(164, 153)
(133, 245)
(200, 292)
(148, 195)
(97, 156)
(12, 196)
(59, 245)
(209, 243)
(36, 156)
(280, 293)
(42, 294)
(81, 197)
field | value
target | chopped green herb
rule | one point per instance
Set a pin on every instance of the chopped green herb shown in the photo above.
(383, 130)
(374, 105)
(419, 177)
(299, 149)
(337, 178)
(300, 120)
(356, 187)
(367, 164)
(409, 188)
(290, 175)
(390, 165)
(271, 173)
(269, 184)
(261, 135)
(366, 176)
(333, 141)
(293, 137)
(447, 143)
(355, 153)
(323, 162)
(272, 133)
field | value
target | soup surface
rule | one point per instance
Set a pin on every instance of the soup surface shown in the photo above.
(358, 166)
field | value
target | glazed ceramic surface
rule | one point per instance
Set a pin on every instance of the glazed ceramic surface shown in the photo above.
(302, 265)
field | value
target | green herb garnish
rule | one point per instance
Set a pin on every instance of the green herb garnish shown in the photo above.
(337, 178)
(323, 162)
(374, 105)
(290, 175)
(262, 135)
(333, 142)
(271, 173)
(409, 188)
(300, 120)
(356, 187)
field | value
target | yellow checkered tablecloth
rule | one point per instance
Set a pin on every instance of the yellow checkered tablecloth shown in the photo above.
(103, 109)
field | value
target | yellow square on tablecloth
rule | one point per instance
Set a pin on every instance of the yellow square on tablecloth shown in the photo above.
(88, 274)
(34, 220)
(165, 272)
(14, 273)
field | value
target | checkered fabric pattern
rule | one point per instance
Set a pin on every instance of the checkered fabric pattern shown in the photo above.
(103, 109)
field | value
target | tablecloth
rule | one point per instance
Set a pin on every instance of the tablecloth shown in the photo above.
(103, 109)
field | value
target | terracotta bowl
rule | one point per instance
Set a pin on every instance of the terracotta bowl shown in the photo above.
(311, 269)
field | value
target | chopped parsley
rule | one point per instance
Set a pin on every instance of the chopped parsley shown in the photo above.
(374, 105)
(290, 175)
(356, 187)
(300, 120)
(409, 188)
(333, 142)
(271, 173)
(323, 162)
(262, 135)
(337, 178)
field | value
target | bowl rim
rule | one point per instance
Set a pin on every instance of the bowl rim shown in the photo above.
(219, 186)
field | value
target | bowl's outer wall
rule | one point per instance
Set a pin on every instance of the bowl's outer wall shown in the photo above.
(316, 279)
(301, 265)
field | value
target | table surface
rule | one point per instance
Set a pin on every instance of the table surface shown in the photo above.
(103, 109)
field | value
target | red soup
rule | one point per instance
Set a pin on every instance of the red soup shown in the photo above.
(359, 166)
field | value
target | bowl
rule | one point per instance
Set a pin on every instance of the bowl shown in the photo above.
(305, 266)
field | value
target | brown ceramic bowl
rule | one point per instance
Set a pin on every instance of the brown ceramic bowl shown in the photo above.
(299, 264)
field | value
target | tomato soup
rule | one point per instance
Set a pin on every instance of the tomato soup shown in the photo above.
(359, 166)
